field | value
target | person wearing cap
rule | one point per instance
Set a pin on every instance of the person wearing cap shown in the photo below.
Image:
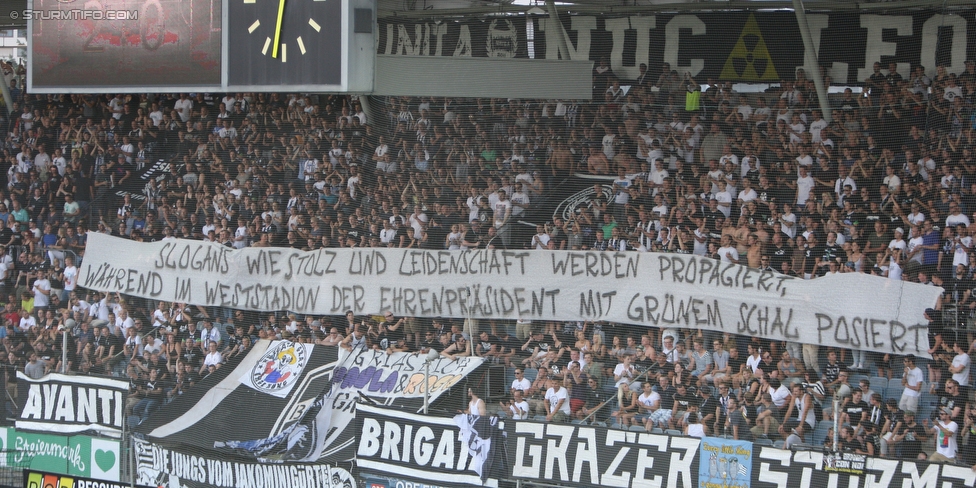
(898, 242)
(944, 429)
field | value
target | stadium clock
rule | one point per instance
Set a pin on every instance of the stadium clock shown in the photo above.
(284, 42)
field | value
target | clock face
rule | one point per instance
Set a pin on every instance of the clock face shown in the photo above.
(284, 42)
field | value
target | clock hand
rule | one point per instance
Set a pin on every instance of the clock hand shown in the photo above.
(281, 11)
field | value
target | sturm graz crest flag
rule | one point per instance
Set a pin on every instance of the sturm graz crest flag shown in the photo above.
(287, 402)
(261, 396)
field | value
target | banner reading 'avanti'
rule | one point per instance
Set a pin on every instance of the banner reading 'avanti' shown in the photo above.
(665, 290)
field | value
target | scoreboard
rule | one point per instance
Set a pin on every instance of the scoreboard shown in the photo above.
(108, 46)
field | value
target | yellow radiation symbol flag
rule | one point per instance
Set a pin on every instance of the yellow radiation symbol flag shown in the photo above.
(749, 59)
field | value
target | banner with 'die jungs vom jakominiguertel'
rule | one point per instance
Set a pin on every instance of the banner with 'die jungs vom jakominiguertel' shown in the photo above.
(849, 310)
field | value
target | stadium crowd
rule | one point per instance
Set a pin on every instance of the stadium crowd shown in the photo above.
(888, 187)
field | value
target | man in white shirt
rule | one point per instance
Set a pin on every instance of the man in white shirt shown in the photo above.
(962, 244)
(912, 382)
(27, 321)
(899, 241)
(209, 335)
(724, 198)
(502, 214)
(960, 364)
(956, 216)
(557, 402)
(184, 107)
(517, 407)
(818, 125)
(123, 322)
(6, 263)
(657, 175)
(727, 253)
(747, 193)
(804, 186)
(728, 157)
(42, 291)
(520, 383)
(213, 358)
(387, 234)
(70, 276)
(541, 239)
(945, 441)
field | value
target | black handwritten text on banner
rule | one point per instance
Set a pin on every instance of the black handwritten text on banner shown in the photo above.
(848, 310)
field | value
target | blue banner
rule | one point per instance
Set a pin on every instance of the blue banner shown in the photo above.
(724, 463)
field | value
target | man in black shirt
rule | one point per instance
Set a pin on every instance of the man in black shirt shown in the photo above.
(152, 389)
(430, 342)
(779, 252)
(952, 399)
(856, 410)
(908, 440)
(488, 346)
(595, 401)
(707, 405)
(683, 399)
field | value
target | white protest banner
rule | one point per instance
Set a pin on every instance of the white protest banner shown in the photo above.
(850, 310)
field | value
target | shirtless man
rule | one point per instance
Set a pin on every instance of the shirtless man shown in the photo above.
(597, 163)
(754, 253)
(561, 160)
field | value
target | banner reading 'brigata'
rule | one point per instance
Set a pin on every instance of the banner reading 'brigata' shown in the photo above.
(665, 290)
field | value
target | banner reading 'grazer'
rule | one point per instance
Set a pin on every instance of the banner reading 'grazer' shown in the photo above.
(71, 404)
(591, 456)
(848, 310)
(733, 46)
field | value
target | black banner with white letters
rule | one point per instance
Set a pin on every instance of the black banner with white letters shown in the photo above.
(465, 449)
(71, 404)
(160, 466)
(776, 468)
(587, 456)
(731, 46)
